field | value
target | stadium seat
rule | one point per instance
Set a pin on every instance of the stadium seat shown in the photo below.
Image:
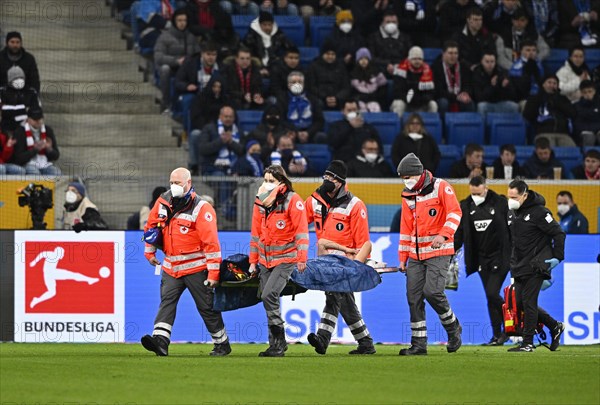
(570, 156)
(331, 116)
(387, 154)
(433, 124)
(506, 128)
(320, 28)
(386, 123)
(317, 155)
(248, 119)
(524, 153)
(490, 153)
(241, 24)
(135, 29)
(430, 54)
(307, 55)
(592, 57)
(293, 27)
(450, 154)
(555, 60)
(463, 128)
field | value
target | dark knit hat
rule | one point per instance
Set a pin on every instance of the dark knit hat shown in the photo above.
(265, 16)
(410, 165)
(13, 34)
(251, 143)
(35, 112)
(79, 187)
(337, 169)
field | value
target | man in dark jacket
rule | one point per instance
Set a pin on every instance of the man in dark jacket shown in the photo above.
(388, 45)
(264, 31)
(453, 86)
(474, 39)
(280, 70)
(14, 54)
(538, 246)
(542, 162)
(16, 100)
(243, 83)
(590, 169)
(219, 145)
(197, 70)
(370, 162)
(587, 121)
(497, 14)
(419, 21)
(327, 78)
(492, 90)
(506, 166)
(453, 14)
(346, 38)
(484, 233)
(572, 221)
(471, 165)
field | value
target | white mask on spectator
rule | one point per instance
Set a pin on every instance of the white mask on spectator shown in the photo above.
(563, 208)
(346, 27)
(18, 83)
(390, 28)
(414, 136)
(410, 183)
(477, 199)
(371, 157)
(351, 115)
(71, 197)
(176, 190)
(296, 88)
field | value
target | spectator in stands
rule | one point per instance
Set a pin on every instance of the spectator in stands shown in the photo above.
(243, 83)
(544, 14)
(286, 156)
(170, 51)
(303, 110)
(572, 221)
(370, 162)
(219, 144)
(205, 16)
(16, 100)
(280, 70)
(414, 89)
(542, 163)
(587, 121)
(492, 90)
(240, 7)
(251, 164)
(453, 14)
(550, 113)
(270, 129)
(526, 72)
(473, 40)
(596, 77)
(7, 145)
(452, 81)
(327, 78)
(367, 14)
(506, 165)
(309, 8)
(368, 83)
(138, 220)
(388, 44)
(225, 38)
(414, 138)
(266, 41)
(510, 42)
(345, 137)
(418, 19)
(578, 23)
(197, 70)
(80, 213)
(152, 18)
(497, 14)
(590, 169)
(345, 38)
(471, 165)
(573, 73)
(14, 54)
(279, 7)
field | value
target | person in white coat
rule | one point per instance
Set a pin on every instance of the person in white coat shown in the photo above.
(573, 73)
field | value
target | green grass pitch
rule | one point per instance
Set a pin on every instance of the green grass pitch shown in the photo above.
(126, 373)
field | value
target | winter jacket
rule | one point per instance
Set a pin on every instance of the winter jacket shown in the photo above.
(499, 169)
(420, 82)
(388, 49)
(505, 45)
(278, 76)
(441, 86)
(328, 80)
(525, 76)
(588, 115)
(368, 84)
(452, 17)
(425, 148)
(346, 141)
(549, 113)
(345, 44)
(318, 120)
(191, 71)
(483, 90)
(173, 44)
(15, 104)
(534, 168)
(495, 17)
(460, 170)
(255, 42)
(574, 222)
(25, 61)
(472, 46)
(206, 106)
(360, 167)
(233, 87)
(22, 154)
(569, 82)
(210, 145)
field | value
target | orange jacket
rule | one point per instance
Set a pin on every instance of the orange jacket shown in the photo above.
(279, 233)
(433, 211)
(190, 240)
(346, 222)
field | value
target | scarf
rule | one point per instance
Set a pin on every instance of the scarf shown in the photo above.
(266, 198)
(226, 158)
(30, 139)
(257, 166)
(426, 79)
(206, 18)
(166, 9)
(300, 111)
(578, 70)
(541, 15)
(452, 75)
(244, 81)
(592, 176)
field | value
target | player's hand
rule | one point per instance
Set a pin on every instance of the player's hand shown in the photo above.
(154, 261)
(438, 242)
(301, 267)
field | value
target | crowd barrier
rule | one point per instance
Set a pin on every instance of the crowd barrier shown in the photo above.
(58, 286)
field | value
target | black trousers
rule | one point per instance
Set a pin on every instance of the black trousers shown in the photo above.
(527, 289)
(492, 284)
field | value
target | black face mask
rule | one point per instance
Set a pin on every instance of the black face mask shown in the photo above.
(328, 186)
(272, 120)
(227, 127)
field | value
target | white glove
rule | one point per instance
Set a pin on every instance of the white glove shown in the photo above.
(409, 95)
(420, 15)
(410, 6)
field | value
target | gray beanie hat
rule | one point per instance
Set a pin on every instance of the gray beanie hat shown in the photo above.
(15, 72)
(410, 165)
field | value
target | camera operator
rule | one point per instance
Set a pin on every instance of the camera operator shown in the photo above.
(80, 213)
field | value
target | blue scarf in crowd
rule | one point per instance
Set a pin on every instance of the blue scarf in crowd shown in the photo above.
(300, 112)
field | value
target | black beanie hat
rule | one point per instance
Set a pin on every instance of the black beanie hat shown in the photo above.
(13, 34)
(337, 169)
(265, 17)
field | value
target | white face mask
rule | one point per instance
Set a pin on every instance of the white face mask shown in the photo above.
(410, 183)
(477, 199)
(296, 88)
(390, 28)
(371, 157)
(513, 204)
(18, 83)
(414, 136)
(269, 186)
(176, 190)
(345, 27)
(563, 208)
(71, 197)
(351, 115)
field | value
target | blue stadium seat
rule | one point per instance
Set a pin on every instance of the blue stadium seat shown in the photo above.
(524, 153)
(490, 153)
(320, 28)
(555, 60)
(570, 156)
(430, 54)
(463, 128)
(317, 155)
(241, 24)
(386, 123)
(293, 27)
(506, 128)
(433, 124)
(387, 154)
(135, 29)
(248, 119)
(592, 57)
(588, 148)
(307, 55)
(331, 116)
(450, 154)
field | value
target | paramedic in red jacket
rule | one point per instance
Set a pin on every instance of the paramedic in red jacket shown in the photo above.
(278, 244)
(430, 217)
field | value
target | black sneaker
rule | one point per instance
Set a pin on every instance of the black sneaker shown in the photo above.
(497, 340)
(156, 344)
(316, 341)
(528, 347)
(221, 349)
(455, 340)
(370, 349)
(556, 334)
(413, 351)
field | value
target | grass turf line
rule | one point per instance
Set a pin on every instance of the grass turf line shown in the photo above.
(126, 373)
